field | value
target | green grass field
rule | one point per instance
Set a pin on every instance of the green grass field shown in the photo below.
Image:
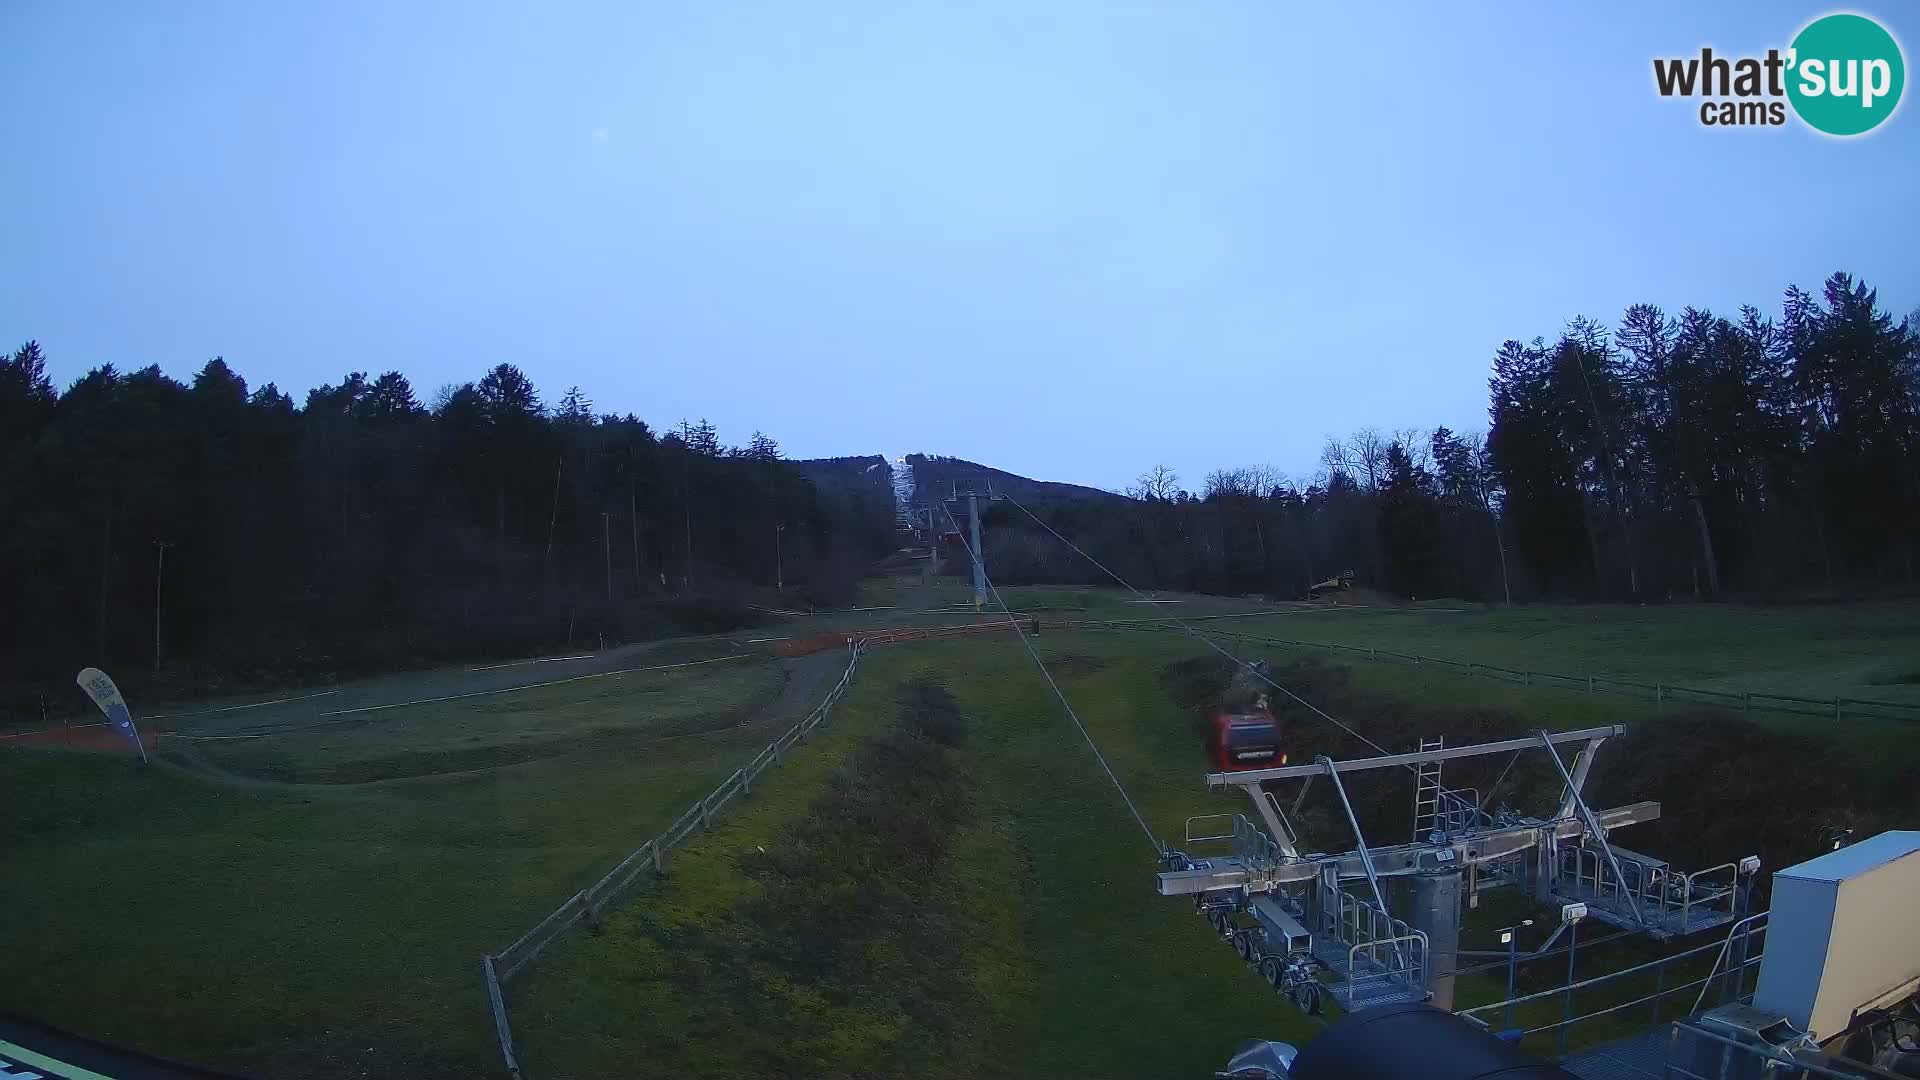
(1824, 650)
(912, 600)
(334, 926)
(600, 713)
(324, 932)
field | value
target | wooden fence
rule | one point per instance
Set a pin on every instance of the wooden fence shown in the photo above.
(591, 904)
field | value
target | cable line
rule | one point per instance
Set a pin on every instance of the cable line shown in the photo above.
(1042, 665)
(1257, 673)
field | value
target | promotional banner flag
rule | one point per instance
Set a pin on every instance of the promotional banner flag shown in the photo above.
(106, 695)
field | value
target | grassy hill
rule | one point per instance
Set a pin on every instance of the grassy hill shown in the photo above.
(1001, 917)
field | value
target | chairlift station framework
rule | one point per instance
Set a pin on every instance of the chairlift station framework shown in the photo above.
(1329, 912)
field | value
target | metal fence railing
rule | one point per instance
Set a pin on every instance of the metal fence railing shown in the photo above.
(590, 904)
(1659, 693)
(1726, 977)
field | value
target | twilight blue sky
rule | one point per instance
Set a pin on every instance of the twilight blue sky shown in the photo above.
(1199, 234)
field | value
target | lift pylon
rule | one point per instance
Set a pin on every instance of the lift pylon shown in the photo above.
(972, 497)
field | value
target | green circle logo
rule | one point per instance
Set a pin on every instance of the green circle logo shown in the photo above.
(1845, 74)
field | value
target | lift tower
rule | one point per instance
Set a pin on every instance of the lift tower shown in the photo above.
(973, 494)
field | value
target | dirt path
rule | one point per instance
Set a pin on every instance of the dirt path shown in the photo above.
(807, 681)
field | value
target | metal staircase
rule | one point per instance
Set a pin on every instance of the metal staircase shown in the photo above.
(1375, 959)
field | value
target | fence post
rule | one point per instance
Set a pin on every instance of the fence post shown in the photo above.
(1659, 693)
(1590, 684)
(1746, 703)
(1836, 708)
(1526, 678)
(1469, 667)
(501, 1029)
(1371, 655)
(659, 859)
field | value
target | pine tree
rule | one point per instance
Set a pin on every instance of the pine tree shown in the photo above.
(576, 409)
(763, 448)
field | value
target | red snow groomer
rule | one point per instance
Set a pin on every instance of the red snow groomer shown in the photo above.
(1247, 738)
(1242, 730)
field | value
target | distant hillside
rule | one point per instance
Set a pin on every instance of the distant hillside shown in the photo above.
(857, 469)
(865, 475)
(938, 475)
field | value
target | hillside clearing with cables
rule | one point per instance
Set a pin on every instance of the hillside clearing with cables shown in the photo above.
(402, 883)
(1081, 947)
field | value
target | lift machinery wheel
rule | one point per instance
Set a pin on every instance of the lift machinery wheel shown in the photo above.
(1306, 996)
(1272, 970)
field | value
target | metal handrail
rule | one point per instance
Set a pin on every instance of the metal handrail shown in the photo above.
(1687, 881)
(1636, 1001)
(1228, 835)
(1407, 967)
(1584, 983)
(1724, 947)
(1663, 889)
(1466, 809)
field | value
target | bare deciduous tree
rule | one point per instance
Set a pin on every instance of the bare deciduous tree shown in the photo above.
(1159, 483)
(1363, 456)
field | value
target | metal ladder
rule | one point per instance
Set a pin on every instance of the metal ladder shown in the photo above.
(1427, 791)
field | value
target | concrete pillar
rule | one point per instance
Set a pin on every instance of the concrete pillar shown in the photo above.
(1433, 908)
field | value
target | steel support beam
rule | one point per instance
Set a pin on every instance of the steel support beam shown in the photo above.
(1366, 859)
(1599, 835)
(1388, 761)
(1578, 784)
(1359, 838)
(1227, 872)
(1276, 826)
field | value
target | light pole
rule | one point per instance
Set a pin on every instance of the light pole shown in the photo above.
(159, 575)
(1507, 939)
(779, 572)
(1570, 914)
(606, 547)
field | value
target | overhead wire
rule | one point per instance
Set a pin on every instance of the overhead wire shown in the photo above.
(1013, 622)
(1203, 639)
